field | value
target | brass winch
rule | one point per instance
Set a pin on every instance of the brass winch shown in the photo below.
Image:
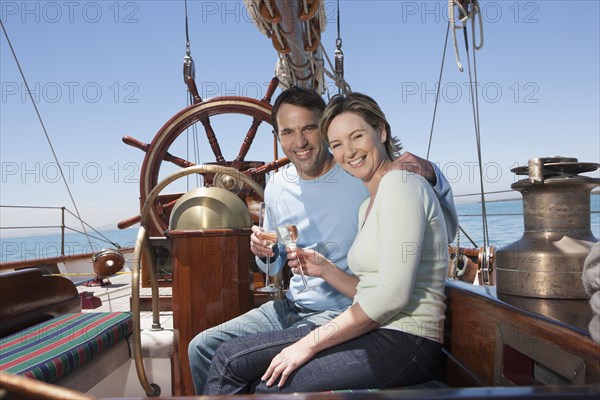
(547, 262)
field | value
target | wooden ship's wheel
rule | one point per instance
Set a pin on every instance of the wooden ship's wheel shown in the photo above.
(191, 268)
(157, 152)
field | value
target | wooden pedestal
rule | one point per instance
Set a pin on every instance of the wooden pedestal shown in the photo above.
(210, 285)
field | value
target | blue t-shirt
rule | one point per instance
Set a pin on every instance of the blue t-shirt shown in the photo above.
(325, 211)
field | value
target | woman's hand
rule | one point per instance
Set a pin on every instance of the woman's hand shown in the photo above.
(257, 245)
(313, 262)
(316, 264)
(286, 362)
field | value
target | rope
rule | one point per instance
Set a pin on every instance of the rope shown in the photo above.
(452, 21)
(456, 253)
(474, 11)
(44, 129)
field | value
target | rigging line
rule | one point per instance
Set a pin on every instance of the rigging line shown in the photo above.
(476, 103)
(468, 237)
(324, 70)
(492, 192)
(44, 129)
(187, 33)
(474, 99)
(103, 239)
(339, 55)
(30, 227)
(107, 240)
(492, 215)
(41, 207)
(195, 146)
(189, 96)
(339, 36)
(437, 94)
(190, 101)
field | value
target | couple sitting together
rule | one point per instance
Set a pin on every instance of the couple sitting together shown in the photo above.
(381, 221)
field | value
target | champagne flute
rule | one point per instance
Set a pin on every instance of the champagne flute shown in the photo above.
(288, 236)
(270, 238)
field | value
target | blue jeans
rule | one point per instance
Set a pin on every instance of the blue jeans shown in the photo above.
(271, 316)
(382, 358)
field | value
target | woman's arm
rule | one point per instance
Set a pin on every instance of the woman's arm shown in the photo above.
(348, 325)
(400, 214)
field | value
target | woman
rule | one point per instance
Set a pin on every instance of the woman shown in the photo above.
(391, 336)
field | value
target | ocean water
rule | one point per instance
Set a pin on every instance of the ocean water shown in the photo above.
(41, 246)
(505, 221)
(505, 225)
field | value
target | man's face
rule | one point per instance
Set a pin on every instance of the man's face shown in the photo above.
(298, 131)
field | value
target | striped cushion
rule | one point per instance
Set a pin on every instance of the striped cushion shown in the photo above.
(52, 349)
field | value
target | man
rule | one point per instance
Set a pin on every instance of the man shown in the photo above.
(322, 201)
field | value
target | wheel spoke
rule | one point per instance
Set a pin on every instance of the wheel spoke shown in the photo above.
(253, 172)
(180, 162)
(246, 143)
(212, 140)
(270, 90)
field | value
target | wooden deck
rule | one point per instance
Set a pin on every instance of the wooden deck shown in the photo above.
(117, 297)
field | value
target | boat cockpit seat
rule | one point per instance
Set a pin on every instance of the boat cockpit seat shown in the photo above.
(29, 298)
(53, 349)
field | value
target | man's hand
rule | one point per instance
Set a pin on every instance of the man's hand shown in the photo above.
(257, 245)
(409, 162)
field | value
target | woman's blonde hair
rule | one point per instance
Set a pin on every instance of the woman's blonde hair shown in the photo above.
(368, 109)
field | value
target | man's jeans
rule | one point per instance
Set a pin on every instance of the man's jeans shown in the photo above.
(271, 316)
(382, 358)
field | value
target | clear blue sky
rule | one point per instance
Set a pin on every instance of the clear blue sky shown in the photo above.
(104, 69)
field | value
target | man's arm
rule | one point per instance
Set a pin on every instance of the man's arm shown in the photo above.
(428, 170)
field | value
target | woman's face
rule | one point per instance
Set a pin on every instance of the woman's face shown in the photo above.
(357, 146)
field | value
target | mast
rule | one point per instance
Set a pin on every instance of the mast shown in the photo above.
(295, 30)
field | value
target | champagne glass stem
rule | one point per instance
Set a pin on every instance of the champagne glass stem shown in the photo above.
(268, 272)
(302, 276)
(302, 273)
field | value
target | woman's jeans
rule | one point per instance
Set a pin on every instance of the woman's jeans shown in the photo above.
(273, 315)
(382, 358)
